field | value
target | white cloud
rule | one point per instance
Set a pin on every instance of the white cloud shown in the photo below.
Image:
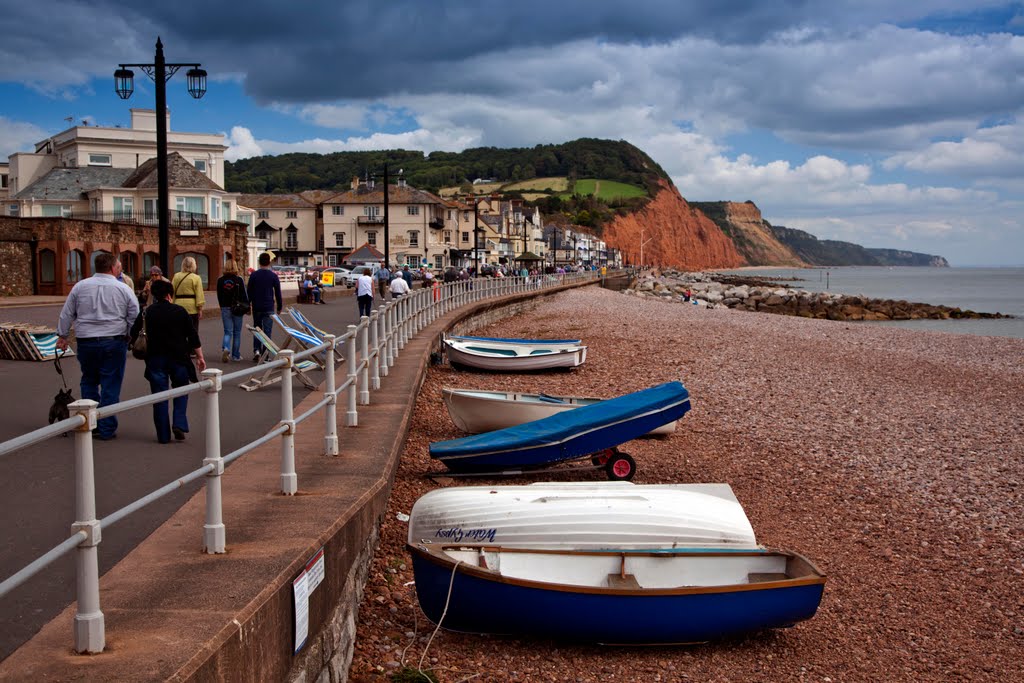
(18, 136)
(242, 144)
(997, 151)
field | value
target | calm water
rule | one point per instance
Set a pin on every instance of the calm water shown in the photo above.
(978, 289)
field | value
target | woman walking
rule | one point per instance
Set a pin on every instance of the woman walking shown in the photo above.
(170, 338)
(234, 304)
(188, 290)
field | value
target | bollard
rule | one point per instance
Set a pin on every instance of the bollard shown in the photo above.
(373, 349)
(214, 534)
(330, 393)
(364, 362)
(289, 479)
(351, 415)
(90, 632)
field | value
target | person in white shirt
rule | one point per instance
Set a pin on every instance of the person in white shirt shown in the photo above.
(102, 310)
(399, 287)
(364, 294)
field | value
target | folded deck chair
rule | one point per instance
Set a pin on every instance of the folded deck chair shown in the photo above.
(303, 322)
(300, 340)
(273, 375)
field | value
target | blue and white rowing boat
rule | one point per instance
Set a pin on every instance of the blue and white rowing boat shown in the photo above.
(502, 356)
(585, 431)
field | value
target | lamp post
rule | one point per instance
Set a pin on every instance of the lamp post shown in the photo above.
(387, 236)
(476, 239)
(160, 72)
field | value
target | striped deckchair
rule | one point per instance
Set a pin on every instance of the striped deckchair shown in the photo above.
(300, 340)
(303, 322)
(273, 375)
(20, 341)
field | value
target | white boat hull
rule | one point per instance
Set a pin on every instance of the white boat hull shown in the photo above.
(513, 357)
(584, 516)
(477, 411)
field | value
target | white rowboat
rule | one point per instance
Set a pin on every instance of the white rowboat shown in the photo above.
(513, 356)
(476, 411)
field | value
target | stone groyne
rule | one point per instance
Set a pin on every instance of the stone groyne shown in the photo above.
(758, 294)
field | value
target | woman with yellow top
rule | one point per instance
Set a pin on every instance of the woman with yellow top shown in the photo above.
(188, 290)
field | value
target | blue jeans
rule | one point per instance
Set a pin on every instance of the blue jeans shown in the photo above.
(232, 332)
(102, 363)
(262, 320)
(162, 370)
(365, 304)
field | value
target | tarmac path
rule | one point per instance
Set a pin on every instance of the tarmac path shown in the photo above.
(37, 485)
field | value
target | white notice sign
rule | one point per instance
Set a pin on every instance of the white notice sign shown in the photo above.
(300, 589)
(315, 570)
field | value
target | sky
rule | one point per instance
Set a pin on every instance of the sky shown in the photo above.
(888, 124)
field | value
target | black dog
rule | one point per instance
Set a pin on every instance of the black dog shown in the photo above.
(59, 409)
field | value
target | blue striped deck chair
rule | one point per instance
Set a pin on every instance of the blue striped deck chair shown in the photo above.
(273, 375)
(303, 322)
(300, 340)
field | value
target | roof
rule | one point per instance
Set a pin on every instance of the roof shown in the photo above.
(274, 201)
(180, 173)
(367, 252)
(317, 196)
(71, 183)
(397, 194)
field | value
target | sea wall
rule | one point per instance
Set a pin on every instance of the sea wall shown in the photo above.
(755, 294)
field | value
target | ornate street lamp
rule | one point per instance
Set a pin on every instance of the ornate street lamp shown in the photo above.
(160, 72)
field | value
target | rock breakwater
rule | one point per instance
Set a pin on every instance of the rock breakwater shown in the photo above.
(757, 294)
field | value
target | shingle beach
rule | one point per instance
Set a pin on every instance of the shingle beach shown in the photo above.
(891, 458)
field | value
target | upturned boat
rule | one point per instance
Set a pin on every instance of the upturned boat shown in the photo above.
(476, 410)
(615, 515)
(513, 356)
(634, 597)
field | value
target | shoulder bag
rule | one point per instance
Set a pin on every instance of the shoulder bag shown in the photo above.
(139, 347)
(239, 308)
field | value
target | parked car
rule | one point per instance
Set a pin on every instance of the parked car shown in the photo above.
(352, 277)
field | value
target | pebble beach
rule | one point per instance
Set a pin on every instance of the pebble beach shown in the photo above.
(891, 458)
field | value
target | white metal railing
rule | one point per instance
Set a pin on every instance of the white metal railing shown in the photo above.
(371, 347)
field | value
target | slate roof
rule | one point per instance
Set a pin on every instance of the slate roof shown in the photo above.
(367, 252)
(71, 184)
(317, 196)
(180, 174)
(397, 194)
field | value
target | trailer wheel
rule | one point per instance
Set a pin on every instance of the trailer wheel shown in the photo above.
(600, 459)
(620, 467)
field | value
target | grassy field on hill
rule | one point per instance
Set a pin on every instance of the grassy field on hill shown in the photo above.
(608, 190)
(531, 190)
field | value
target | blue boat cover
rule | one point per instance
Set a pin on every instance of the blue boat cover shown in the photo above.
(511, 340)
(570, 434)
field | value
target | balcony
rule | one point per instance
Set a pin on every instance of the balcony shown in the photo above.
(437, 223)
(184, 220)
(370, 220)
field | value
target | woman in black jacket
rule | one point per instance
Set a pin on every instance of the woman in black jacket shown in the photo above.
(233, 302)
(170, 338)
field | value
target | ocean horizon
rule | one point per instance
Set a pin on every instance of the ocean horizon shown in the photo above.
(988, 289)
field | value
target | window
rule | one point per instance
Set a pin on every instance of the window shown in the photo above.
(99, 160)
(447, 236)
(414, 238)
(439, 262)
(190, 204)
(371, 237)
(263, 214)
(3, 180)
(149, 210)
(292, 238)
(332, 260)
(227, 210)
(61, 210)
(13, 210)
(74, 265)
(451, 214)
(130, 263)
(47, 266)
(413, 260)
(150, 259)
(371, 210)
(291, 214)
(337, 210)
(465, 236)
(412, 210)
(123, 207)
(200, 165)
(339, 239)
(245, 218)
(202, 266)
(214, 209)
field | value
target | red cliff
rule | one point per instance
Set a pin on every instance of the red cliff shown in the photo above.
(680, 236)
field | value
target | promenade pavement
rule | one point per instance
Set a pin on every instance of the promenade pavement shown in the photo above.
(36, 489)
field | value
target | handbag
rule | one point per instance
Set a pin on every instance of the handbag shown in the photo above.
(239, 308)
(140, 346)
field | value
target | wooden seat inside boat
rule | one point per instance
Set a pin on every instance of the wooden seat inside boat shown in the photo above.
(627, 581)
(765, 577)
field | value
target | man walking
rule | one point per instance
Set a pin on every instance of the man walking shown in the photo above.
(383, 277)
(102, 311)
(264, 292)
(364, 294)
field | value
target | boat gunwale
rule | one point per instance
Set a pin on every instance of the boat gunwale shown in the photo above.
(459, 347)
(436, 555)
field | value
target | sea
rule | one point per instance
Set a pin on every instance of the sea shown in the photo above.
(990, 290)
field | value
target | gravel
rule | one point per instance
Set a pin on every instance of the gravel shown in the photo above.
(891, 458)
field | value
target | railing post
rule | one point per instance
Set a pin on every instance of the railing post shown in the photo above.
(331, 414)
(90, 632)
(390, 334)
(352, 414)
(382, 341)
(214, 537)
(289, 479)
(364, 362)
(373, 350)
(403, 322)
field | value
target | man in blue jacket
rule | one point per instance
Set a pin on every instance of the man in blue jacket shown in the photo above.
(264, 290)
